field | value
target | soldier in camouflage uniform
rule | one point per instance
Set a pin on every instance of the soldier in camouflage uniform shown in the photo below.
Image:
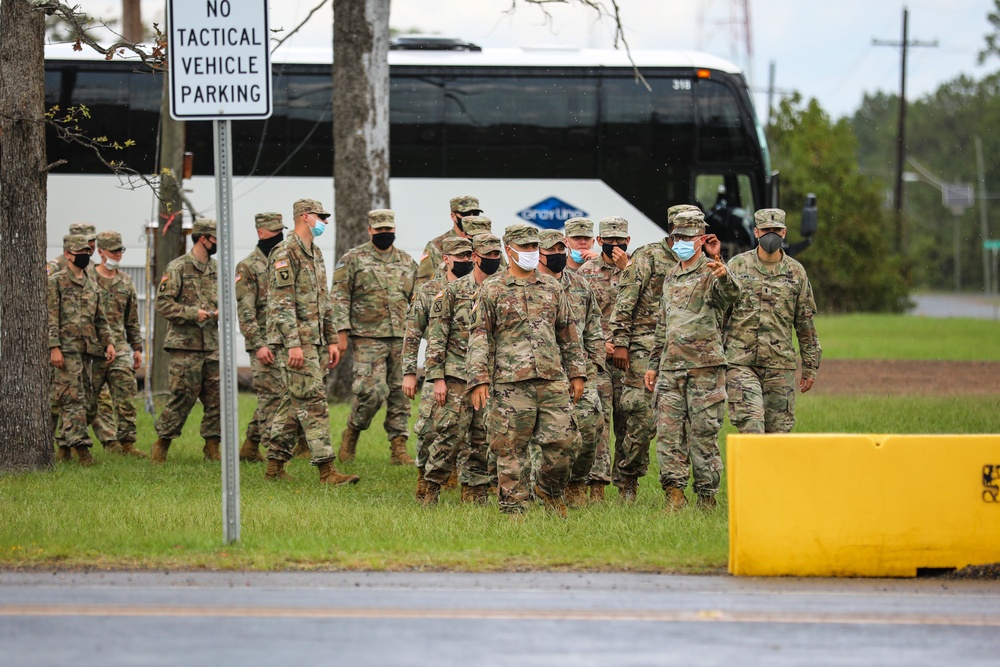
(458, 438)
(121, 309)
(251, 310)
(687, 365)
(430, 260)
(587, 413)
(301, 333)
(188, 297)
(523, 344)
(776, 300)
(78, 334)
(604, 273)
(633, 326)
(580, 241)
(417, 319)
(372, 288)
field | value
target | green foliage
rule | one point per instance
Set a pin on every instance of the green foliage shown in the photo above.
(992, 47)
(850, 263)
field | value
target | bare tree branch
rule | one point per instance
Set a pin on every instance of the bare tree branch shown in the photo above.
(155, 58)
(298, 27)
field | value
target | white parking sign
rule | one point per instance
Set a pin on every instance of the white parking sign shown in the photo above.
(220, 64)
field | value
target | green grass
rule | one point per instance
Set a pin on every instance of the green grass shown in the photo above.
(901, 337)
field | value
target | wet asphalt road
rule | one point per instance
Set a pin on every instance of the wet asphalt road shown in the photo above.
(955, 305)
(491, 619)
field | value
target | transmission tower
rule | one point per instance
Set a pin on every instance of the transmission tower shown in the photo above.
(733, 19)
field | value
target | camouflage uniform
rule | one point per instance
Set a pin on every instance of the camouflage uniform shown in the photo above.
(690, 389)
(431, 261)
(604, 278)
(121, 308)
(633, 327)
(78, 327)
(775, 300)
(252, 284)
(417, 319)
(459, 430)
(371, 293)
(300, 314)
(524, 343)
(186, 287)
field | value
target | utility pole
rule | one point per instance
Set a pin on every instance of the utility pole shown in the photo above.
(984, 223)
(903, 45)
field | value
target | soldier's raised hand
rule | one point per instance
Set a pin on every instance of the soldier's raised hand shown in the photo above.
(717, 268)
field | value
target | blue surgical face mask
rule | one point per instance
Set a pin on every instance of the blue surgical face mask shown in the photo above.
(577, 256)
(684, 249)
(319, 228)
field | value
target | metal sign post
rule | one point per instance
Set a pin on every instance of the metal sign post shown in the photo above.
(220, 70)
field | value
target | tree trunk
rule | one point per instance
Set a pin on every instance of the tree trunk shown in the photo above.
(132, 29)
(360, 129)
(25, 427)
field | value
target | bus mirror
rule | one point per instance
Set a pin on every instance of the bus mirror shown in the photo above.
(188, 165)
(810, 219)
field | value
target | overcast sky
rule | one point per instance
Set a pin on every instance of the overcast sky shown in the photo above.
(821, 48)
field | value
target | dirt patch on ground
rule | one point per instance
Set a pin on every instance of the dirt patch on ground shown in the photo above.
(901, 378)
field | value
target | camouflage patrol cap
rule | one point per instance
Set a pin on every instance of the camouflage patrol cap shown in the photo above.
(456, 245)
(110, 241)
(580, 227)
(769, 218)
(309, 206)
(75, 243)
(203, 227)
(549, 239)
(614, 228)
(272, 222)
(382, 218)
(84, 229)
(689, 223)
(484, 243)
(477, 224)
(464, 203)
(521, 234)
(679, 208)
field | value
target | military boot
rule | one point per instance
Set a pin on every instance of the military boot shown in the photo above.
(452, 480)
(629, 489)
(112, 447)
(675, 499)
(554, 504)
(576, 494)
(468, 495)
(480, 494)
(596, 491)
(302, 450)
(211, 449)
(432, 493)
(83, 453)
(707, 502)
(128, 449)
(397, 452)
(64, 453)
(348, 444)
(250, 451)
(421, 486)
(160, 448)
(276, 471)
(328, 474)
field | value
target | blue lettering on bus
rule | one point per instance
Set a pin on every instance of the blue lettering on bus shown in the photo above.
(551, 213)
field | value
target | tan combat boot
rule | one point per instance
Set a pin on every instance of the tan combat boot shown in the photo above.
(276, 471)
(576, 494)
(160, 448)
(83, 453)
(421, 486)
(675, 499)
(480, 494)
(554, 504)
(452, 480)
(250, 451)
(397, 452)
(348, 444)
(113, 447)
(64, 453)
(328, 474)
(431, 494)
(468, 494)
(302, 450)
(128, 449)
(596, 491)
(707, 502)
(211, 449)
(629, 489)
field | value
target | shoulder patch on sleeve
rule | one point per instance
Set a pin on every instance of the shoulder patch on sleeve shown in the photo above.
(438, 303)
(282, 273)
(425, 256)
(239, 276)
(281, 264)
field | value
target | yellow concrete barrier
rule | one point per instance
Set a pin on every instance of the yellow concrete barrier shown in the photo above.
(862, 505)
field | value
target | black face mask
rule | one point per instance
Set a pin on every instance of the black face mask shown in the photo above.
(770, 242)
(489, 265)
(555, 263)
(383, 240)
(461, 268)
(212, 249)
(267, 245)
(609, 248)
(458, 223)
(81, 261)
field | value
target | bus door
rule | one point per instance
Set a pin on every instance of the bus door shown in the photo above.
(729, 203)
